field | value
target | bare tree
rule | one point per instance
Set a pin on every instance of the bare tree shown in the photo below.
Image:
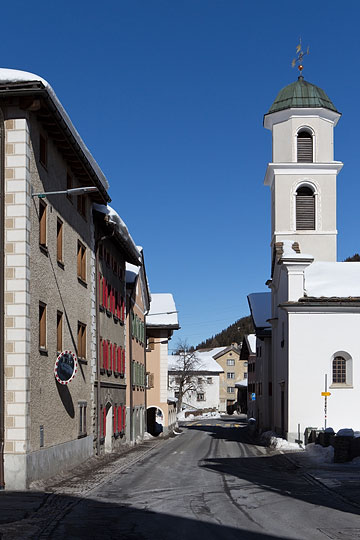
(184, 369)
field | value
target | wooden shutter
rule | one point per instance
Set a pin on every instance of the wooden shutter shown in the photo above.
(124, 418)
(123, 361)
(304, 147)
(59, 240)
(305, 209)
(42, 223)
(42, 325)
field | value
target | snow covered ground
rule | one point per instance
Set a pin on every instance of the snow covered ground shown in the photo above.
(269, 438)
(213, 415)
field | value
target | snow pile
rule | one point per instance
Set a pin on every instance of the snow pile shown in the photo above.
(319, 453)
(209, 415)
(269, 438)
(148, 436)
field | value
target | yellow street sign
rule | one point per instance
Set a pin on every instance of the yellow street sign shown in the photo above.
(326, 393)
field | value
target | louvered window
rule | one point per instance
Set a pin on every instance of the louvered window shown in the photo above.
(305, 209)
(304, 147)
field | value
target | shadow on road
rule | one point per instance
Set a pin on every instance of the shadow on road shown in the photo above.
(92, 519)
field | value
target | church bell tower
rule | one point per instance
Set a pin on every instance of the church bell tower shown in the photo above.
(302, 175)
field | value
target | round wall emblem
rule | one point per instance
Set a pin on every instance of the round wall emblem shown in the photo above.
(65, 367)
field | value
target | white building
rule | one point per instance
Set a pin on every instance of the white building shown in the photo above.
(315, 301)
(205, 380)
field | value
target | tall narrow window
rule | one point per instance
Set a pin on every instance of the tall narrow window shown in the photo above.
(304, 147)
(81, 340)
(81, 205)
(81, 261)
(42, 223)
(339, 370)
(59, 331)
(42, 325)
(59, 240)
(43, 151)
(305, 209)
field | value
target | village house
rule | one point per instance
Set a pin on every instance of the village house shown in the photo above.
(313, 309)
(113, 247)
(202, 380)
(161, 322)
(138, 304)
(46, 288)
(234, 370)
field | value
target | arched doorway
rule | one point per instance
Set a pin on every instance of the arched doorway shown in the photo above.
(109, 429)
(154, 421)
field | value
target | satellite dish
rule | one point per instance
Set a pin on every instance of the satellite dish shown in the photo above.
(65, 367)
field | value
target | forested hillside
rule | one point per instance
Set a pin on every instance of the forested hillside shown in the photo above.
(233, 333)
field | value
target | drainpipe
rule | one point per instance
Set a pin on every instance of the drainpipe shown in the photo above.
(2, 305)
(145, 389)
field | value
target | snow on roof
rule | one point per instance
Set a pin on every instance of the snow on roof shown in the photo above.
(251, 341)
(120, 226)
(241, 383)
(15, 76)
(132, 272)
(162, 311)
(260, 305)
(333, 279)
(204, 362)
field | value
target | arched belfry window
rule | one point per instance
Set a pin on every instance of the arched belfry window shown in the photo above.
(304, 147)
(305, 209)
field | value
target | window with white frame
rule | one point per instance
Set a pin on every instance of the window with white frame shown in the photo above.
(200, 396)
(231, 390)
(230, 362)
(341, 369)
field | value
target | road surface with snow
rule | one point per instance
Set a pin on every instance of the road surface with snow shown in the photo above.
(211, 482)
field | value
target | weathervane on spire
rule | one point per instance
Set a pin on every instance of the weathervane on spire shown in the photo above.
(300, 55)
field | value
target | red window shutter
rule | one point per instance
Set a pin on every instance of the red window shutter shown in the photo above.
(119, 419)
(123, 361)
(100, 303)
(103, 353)
(105, 296)
(118, 310)
(124, 418)
(106, 354)
(114, 357)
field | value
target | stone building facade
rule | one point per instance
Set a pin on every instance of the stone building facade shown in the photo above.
(48, 292)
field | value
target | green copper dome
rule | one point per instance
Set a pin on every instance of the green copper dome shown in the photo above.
(301, 94)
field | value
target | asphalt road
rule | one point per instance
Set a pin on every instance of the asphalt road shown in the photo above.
(211, 482)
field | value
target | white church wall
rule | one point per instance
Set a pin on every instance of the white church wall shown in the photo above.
(314, 339)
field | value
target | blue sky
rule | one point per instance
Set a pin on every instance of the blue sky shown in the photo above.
(169, 96)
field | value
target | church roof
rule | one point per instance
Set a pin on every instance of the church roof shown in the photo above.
(301, 94)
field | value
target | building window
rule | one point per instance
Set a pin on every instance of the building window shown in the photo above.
(42, 325)
(81, 340)
(199, 380)
(230, 362)
(230, 375)
(81, 261)
(59, 331)
(341, 370)
(304, 147)
(42, 223)
(245, 375)
(59, 241)
(82, 418)
(200, 396)
(43, 151)
(231, 390)
(305, 209)
(209, 380)
(81, 205)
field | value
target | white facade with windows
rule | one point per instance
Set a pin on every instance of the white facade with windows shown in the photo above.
(309, 330)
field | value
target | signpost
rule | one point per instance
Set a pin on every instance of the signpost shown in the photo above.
(65, 367)
(326, 394)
